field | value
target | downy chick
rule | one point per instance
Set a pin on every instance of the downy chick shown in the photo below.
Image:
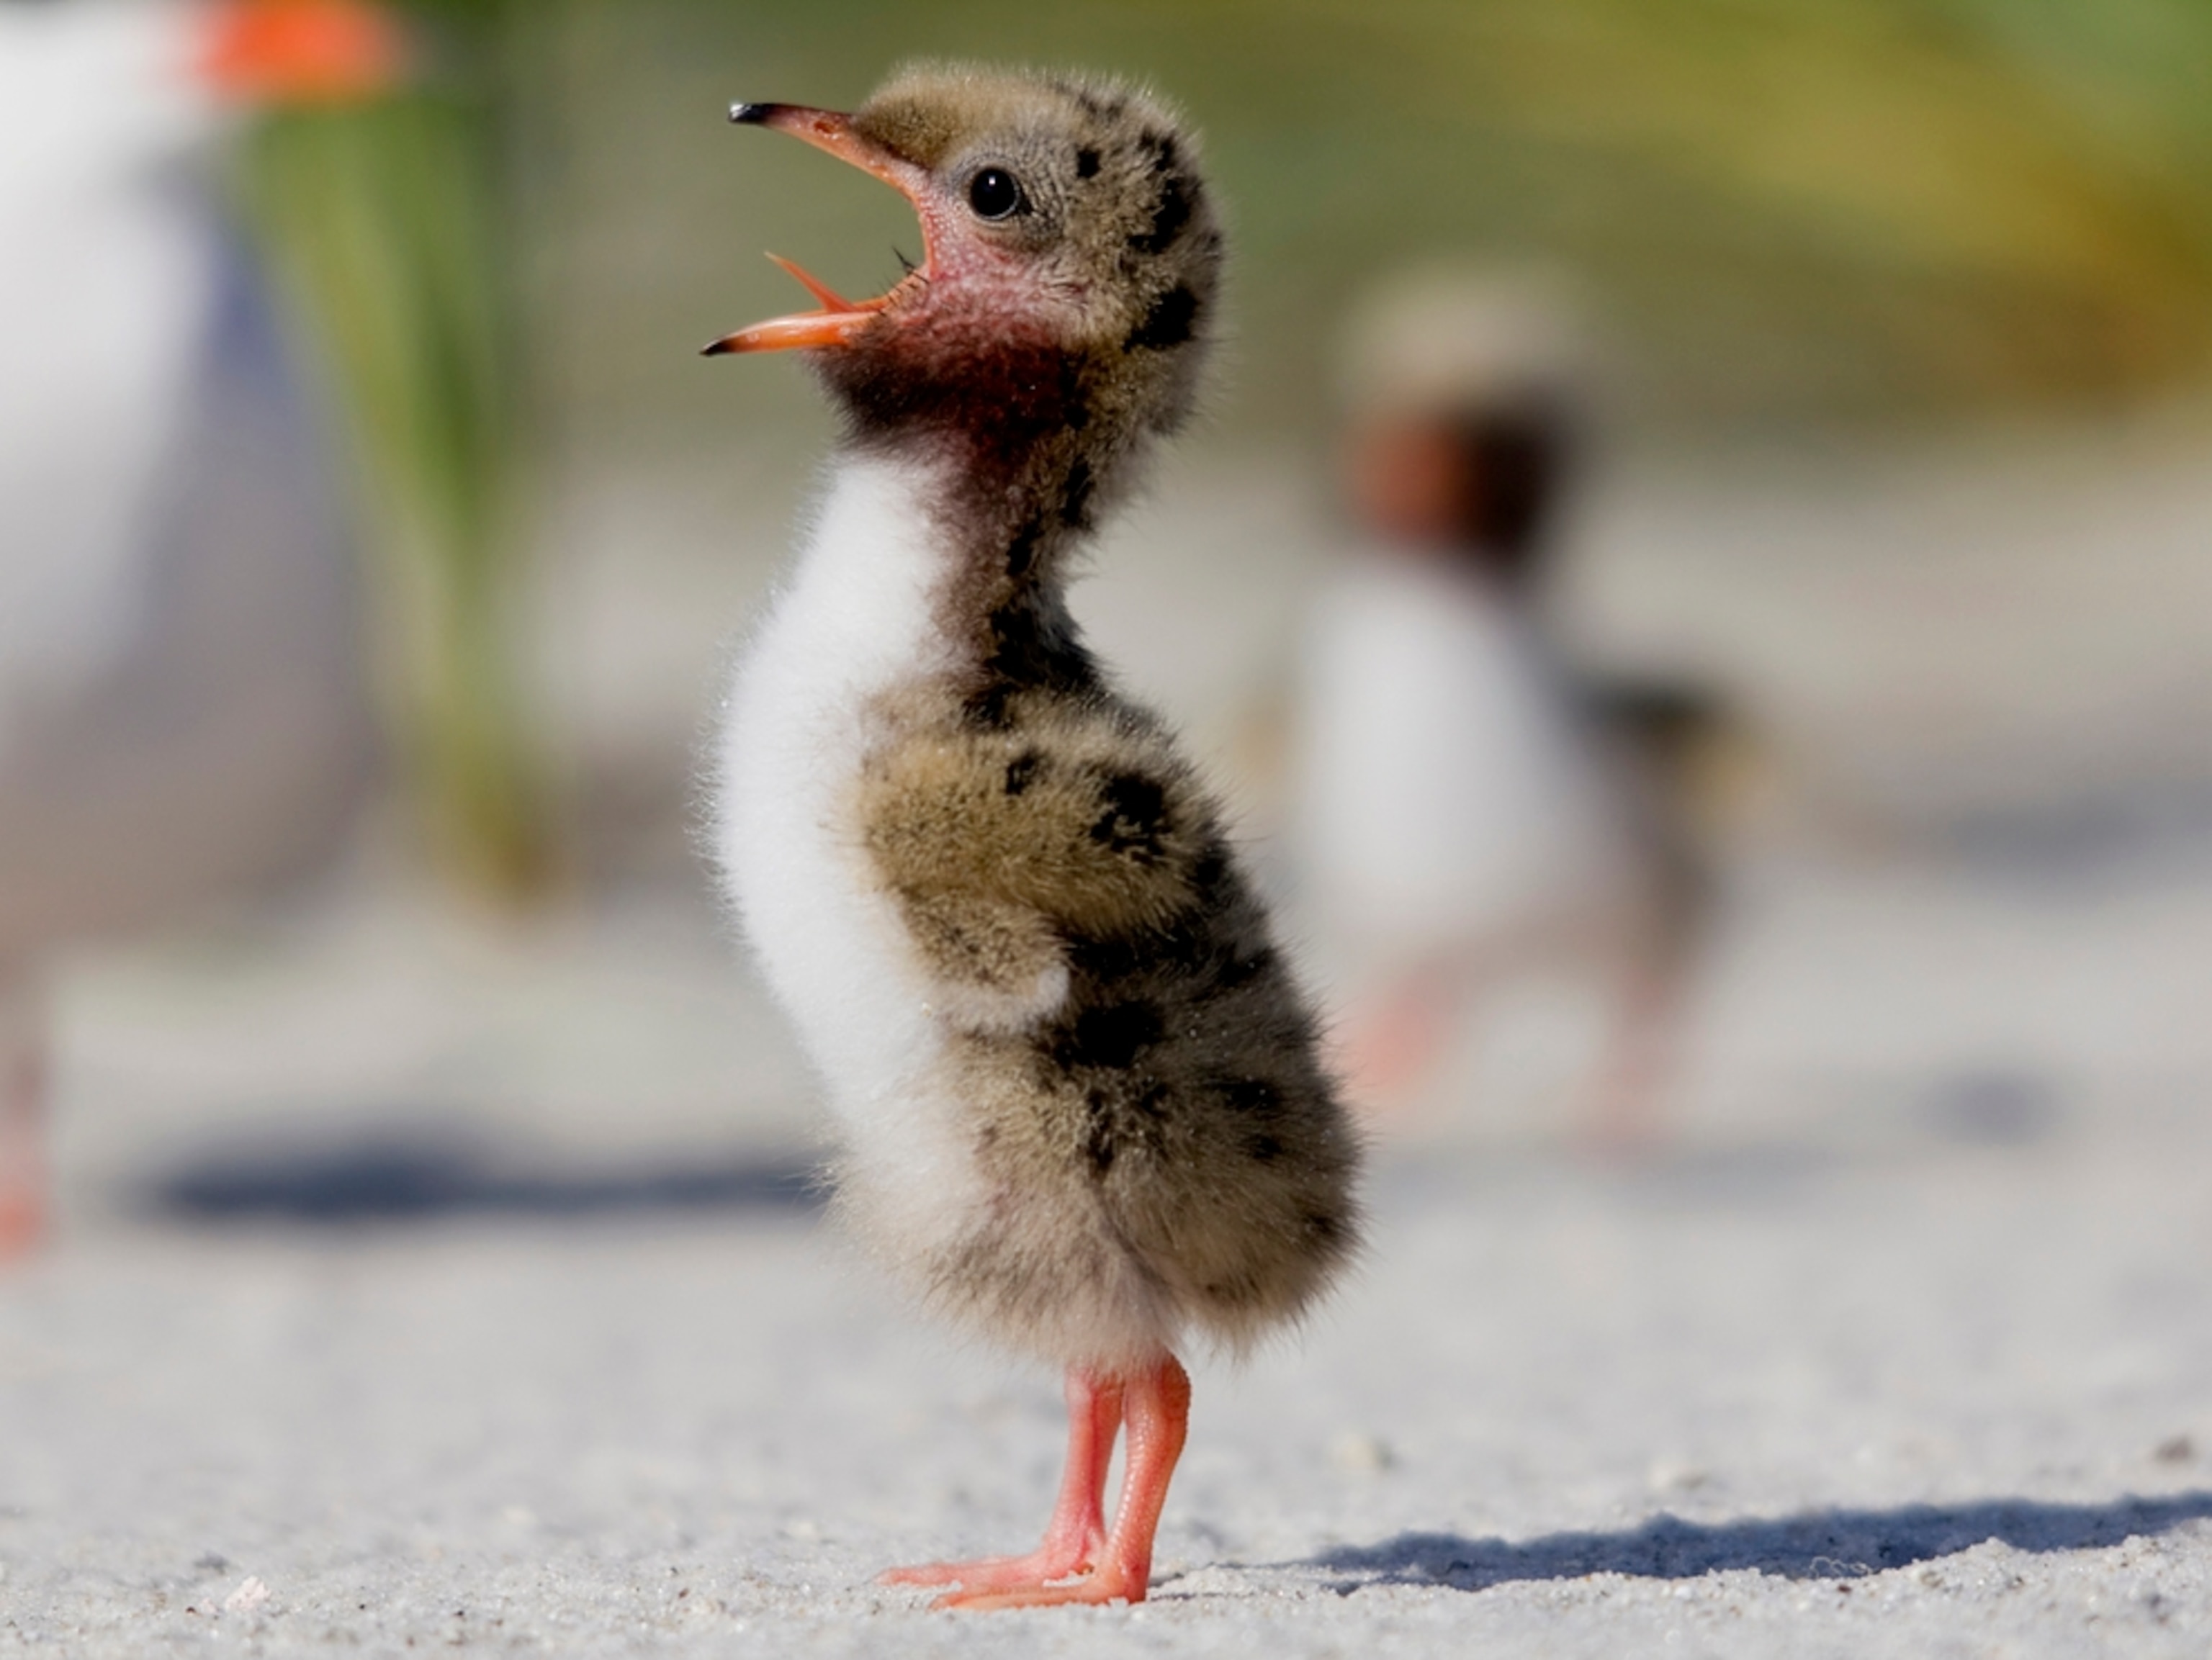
(1081, 1106)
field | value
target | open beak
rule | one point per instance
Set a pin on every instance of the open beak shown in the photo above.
(839, 319)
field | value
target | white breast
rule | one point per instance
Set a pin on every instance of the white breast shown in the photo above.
(106, 297)
(852, 620)
(1446, 789)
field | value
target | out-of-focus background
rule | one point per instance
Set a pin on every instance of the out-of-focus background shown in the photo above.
(1893, 328)
(374, 539)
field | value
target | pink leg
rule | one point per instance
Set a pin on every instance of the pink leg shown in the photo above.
(22, 1111)
(1157, 1415)
(1624, 1117)
(1078, 1530)
(1394, 1041)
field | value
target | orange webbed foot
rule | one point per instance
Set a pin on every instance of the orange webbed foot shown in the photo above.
(1078, 1532)
(1103, 1586)
(1154, 1406)
(992, 1573)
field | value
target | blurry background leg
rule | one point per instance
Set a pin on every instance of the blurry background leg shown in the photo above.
(1401, 1037)
(1642, 1042)
(1395, 1039)
(22, 1113)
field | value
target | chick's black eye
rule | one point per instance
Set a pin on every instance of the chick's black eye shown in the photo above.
(994, 194)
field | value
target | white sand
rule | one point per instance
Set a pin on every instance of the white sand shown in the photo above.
(1904, 1348)
(1847, 1409)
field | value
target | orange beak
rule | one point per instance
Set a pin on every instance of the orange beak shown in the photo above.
(839, 319)
(303, 51)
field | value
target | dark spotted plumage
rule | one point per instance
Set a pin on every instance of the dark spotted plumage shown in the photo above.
(1171, 321)
(1169, 215)
(1171, 1101)
(1075, 495)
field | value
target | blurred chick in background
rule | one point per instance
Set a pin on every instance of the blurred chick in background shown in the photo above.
(182, 705)
(1463, 812)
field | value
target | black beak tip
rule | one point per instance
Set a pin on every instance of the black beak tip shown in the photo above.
(714, 348)
(751, 115)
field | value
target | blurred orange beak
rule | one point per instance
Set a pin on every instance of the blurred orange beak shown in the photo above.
(303, 51)
(839, 319)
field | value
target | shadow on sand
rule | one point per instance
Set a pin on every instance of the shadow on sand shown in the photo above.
(1834, 1544)
(389, 1177)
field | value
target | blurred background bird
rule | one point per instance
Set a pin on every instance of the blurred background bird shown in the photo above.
(188, 708)
(1467, 808)
(181, 709)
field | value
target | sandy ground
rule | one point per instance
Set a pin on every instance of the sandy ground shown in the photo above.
(424, 1284)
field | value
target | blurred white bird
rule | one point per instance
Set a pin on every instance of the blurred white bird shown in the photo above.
(182, 703)
(1459, 816)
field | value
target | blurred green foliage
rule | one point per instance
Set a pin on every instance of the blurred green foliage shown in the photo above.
(1800, 211)
(1780, 213)
(391, 223)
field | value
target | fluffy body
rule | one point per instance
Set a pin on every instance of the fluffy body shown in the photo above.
(1077, 1088)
